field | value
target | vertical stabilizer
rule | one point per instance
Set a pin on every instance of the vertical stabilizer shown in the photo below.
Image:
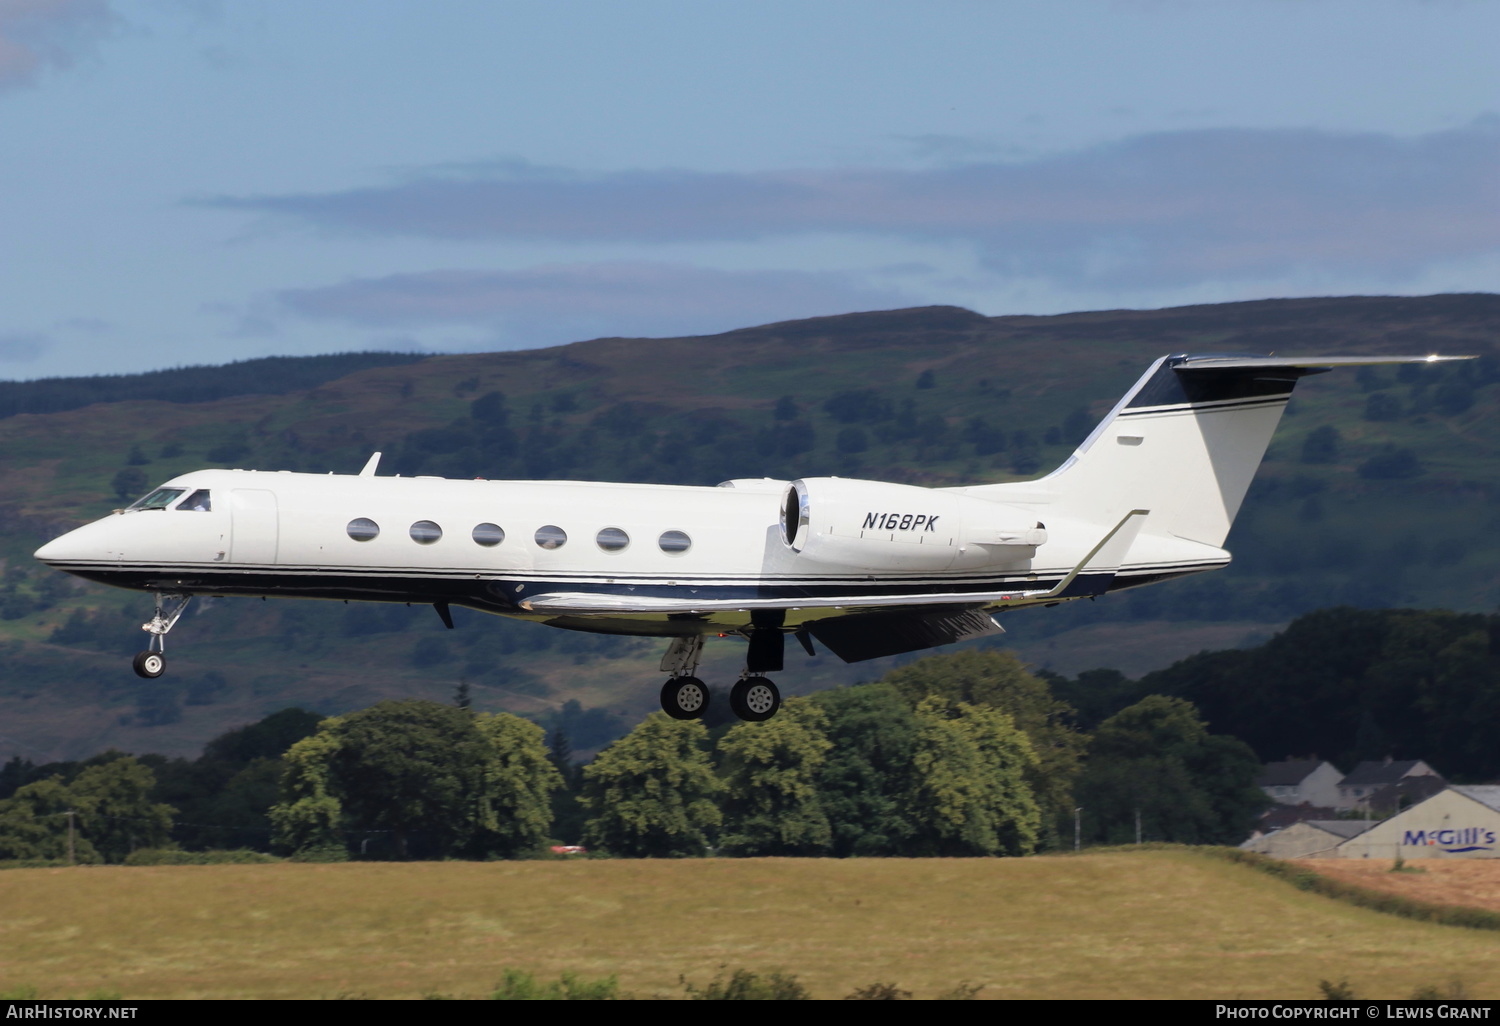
(1184, 442)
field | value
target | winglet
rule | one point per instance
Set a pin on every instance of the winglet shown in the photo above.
(370, 465)
(1109, 553)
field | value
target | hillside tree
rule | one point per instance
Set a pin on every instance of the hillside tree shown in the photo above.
(652, 793)
(437, 778)
(866, 776)
(771, 804)
(970, 795)
(1157, 760)
(1000, 681)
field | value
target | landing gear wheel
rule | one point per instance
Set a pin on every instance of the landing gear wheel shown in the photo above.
(149, 664)
(684, 698)
(754, 699)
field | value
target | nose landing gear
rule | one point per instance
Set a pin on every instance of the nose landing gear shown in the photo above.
(153, 662)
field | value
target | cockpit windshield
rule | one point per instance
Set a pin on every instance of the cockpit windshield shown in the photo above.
(199, 501)
(159, 499)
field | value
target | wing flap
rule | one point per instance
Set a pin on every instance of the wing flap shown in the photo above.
(872, 635)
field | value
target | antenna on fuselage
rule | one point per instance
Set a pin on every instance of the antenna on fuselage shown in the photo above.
(370, 465)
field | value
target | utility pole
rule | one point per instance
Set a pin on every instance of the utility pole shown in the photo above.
(1137, 826)
(1077, 828)
(72, 859)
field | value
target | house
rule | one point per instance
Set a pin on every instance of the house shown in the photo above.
(1368, 778)
(1408, 791)
(1310, 781)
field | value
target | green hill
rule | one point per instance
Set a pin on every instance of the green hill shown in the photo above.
(930, 396)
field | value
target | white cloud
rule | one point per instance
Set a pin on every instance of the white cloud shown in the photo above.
(1157, 210)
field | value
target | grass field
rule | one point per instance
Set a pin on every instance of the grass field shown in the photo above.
(1133, 924)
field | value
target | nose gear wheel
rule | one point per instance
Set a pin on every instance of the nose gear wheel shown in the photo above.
(149, 664)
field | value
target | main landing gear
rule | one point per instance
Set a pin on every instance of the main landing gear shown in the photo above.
(153, 662)
(685, 697)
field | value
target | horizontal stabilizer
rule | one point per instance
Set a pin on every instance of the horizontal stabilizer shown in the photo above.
(1192, 363)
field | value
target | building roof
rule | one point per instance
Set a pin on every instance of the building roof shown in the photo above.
(1374, 773)
(1279, 817)
(1345, 828)
(1286, 773)
(1484, 794)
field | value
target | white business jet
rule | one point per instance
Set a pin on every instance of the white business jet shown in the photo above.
(864, 568)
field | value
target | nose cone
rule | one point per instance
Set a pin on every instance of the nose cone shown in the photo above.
(68, 548)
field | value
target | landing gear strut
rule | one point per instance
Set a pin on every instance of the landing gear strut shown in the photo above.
(754, 698)
(684, 696)
(153, 662)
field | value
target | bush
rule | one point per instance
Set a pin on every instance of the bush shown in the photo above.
(321, 853)
(1322, 445)
(879, 992)
(517, 985)
(743, 985)
(1382, 406)
(1391, 464)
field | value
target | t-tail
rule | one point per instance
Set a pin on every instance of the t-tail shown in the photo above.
(1184, 442)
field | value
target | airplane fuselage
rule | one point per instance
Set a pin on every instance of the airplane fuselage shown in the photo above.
(712, 555)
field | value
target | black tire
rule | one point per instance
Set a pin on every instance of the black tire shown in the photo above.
(149, 664)
(684, 698)
(754, 699)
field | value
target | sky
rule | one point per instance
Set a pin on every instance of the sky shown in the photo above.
(195, 181)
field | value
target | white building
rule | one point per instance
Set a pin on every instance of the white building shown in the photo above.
(1310, 839)
(1301, 782)
(1369, 778)
(1456, 823)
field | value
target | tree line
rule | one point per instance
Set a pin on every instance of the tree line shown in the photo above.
(965, 754)
(962, 753)
(271, 375)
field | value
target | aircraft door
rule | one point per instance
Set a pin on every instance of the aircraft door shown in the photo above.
(254, 527)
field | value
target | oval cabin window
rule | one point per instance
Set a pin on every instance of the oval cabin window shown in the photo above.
(551, 537)
(612, 539)
(489, 534)
(425, 532)
(674, 541)
(363, 529)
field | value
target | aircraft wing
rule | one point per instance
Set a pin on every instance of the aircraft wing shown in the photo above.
(1102, 562)
(590, 604)
(860, 627)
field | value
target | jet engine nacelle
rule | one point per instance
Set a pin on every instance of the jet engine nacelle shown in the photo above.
(881, 526)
